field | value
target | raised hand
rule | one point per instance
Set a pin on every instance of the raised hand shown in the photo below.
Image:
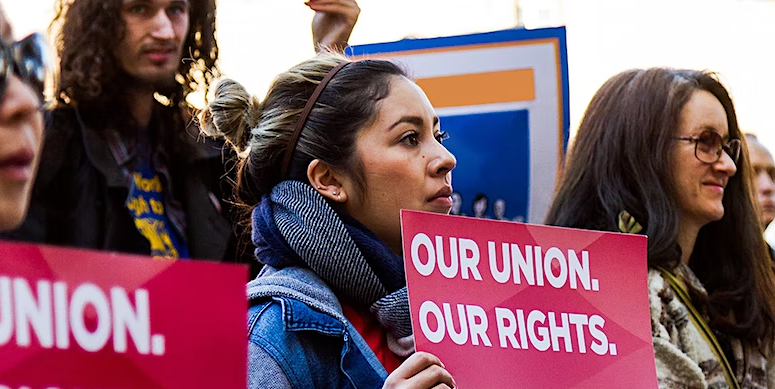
(333, 22)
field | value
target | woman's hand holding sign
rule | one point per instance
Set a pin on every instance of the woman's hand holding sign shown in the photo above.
(420, 371)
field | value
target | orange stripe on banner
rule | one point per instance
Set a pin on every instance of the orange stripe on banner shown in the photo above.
(480, 88)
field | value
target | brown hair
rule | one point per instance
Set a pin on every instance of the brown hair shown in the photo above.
(261, 131)
(88, 30)
(620, 160)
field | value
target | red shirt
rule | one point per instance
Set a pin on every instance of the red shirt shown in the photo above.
(369, 328)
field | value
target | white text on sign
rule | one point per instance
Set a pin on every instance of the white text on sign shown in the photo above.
(507, 262)
(529, 264)
(53, 312)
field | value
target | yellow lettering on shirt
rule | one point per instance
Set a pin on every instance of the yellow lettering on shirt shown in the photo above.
(158, 237)
(139, 206)
(147, 184)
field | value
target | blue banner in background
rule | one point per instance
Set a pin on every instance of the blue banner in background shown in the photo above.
(493, 158)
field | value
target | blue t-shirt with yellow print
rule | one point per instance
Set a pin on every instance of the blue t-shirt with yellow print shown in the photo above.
(146, 205)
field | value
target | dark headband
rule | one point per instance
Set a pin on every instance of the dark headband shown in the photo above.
(303, 118)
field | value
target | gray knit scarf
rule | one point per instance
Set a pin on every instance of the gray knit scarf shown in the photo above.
(324, 243)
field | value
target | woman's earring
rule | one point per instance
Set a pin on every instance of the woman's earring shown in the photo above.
(339, 198)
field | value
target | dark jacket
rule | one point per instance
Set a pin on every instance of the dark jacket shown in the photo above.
(84, 178)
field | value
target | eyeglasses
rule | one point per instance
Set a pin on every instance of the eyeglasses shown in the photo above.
(709, 144)
(28, 59)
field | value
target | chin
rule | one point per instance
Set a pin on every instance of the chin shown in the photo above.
(157, 79)
(10, 221)
(441, 211)
(718, 215)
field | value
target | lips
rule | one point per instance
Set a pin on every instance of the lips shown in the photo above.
(18, 165)
(159, 58)
(158, 54)
(721, 184)
(716, 183)
(443, 193)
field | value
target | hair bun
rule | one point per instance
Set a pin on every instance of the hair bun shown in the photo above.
(232, 114)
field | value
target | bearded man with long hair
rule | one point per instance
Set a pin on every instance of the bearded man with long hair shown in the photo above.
(122, 168)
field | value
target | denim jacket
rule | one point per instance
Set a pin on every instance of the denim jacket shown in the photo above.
(299, 338)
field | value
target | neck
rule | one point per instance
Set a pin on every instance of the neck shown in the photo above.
(396, 247)
(687, 237)
(140, 105)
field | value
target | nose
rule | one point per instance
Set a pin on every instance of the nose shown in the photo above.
(444, 161)
(19, 102)
(725, 165)
(162, 26)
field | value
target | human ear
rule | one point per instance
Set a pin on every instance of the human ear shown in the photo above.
(326, 181)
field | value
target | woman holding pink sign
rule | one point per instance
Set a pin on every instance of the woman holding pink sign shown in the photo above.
(330, 156)
(23, 74)
(659, 152)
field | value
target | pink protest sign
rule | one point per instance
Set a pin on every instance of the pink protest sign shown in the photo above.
(73, 319)
(510, 305)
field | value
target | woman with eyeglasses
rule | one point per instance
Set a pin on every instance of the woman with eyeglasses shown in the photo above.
(22, 78)
(658, 153)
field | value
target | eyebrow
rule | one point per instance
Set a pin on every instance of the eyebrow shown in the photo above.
(415, 120)
(707, 127)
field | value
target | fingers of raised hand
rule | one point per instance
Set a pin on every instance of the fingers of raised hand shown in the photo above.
(346, 8)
